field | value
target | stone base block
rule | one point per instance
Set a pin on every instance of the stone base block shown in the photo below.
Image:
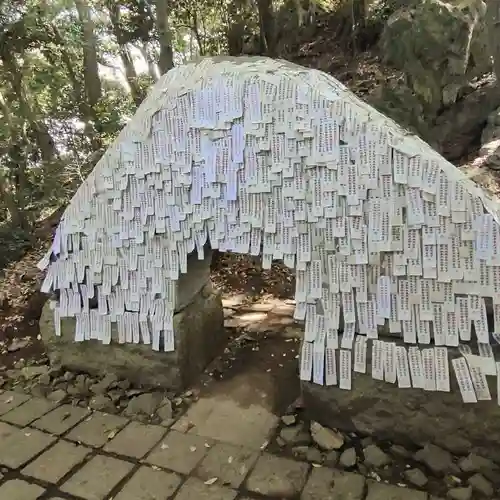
(408, 416)
(199, 337)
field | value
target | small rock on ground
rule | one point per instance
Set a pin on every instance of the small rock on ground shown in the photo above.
(144, 404)
(57, 396)
(294, 435)
(348, 458)
(400, 451)
(331, 459)
(460, 493)
(289, 419)
(165, 411)
(481, 484)
(314, 455)
(326, 439)
(102, 403)
(438, 460)
(375, 457)
(475, 463)
(416, 477)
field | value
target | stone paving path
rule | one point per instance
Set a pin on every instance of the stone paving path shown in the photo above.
(214, 452)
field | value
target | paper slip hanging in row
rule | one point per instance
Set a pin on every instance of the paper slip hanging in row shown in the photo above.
(267, 158)
(427, 369)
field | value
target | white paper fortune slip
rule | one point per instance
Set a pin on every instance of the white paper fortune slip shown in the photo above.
(330, 366)
(360, 347)
(442, 369)
(377, 360)
(306, 361)
(345, 369)
(416, 367)
(464, 380)
(402, 368)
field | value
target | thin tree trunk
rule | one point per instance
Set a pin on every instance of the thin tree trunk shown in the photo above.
(267, 26)
(152, 67)
(165, 38)
(90, 66)
(236, 27)
(130, 74)
(13, 204)
(44, 140)
(493, 23)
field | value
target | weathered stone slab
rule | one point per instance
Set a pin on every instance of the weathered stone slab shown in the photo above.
(10, 400)
(52, 465)
(195, 489)
(135, 440)
(61, 419)
(407, 415)
(179, 452)
(328, 484)
(96, 479)
(277, 477)
(97, 429)
(199, 337)
(21, 446)
(28, 412)
(228, 463)
(149, 484)
(222, 418)
(20, 490)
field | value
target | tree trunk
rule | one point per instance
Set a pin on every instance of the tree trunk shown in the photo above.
(166, 53)
(16, 214)
(131, 74)
(90, 66)
(493, 23)
(42, 135)
(267, 27)
(236, 27)
(152, 67)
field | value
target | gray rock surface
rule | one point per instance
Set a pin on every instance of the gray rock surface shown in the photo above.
(348, 458)
(199, 337)
(437, 460)
(326, 439)
(481, 484)
(416, 477)
(406, 415)
(460, 493)
(375, 457)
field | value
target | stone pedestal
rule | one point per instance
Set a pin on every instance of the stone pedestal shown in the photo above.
(199, 337)
(408, 416)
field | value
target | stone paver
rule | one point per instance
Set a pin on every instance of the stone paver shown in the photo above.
(97, 429)
(225, 420)
(56, 462)
(278, 477)
(96, 479)
(135, 440)
(29, 411)
(328, 484)
(11, 399)
(379, 491)
(61, 419)
(150, 484)
(194, 489)
(6, 430)
(21, 446)
(20, 490)
(230, 464)
(179, 452)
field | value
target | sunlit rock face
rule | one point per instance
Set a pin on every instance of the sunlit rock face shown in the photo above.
(260, 156)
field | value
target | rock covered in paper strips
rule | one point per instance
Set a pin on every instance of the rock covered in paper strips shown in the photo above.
(257, 156)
